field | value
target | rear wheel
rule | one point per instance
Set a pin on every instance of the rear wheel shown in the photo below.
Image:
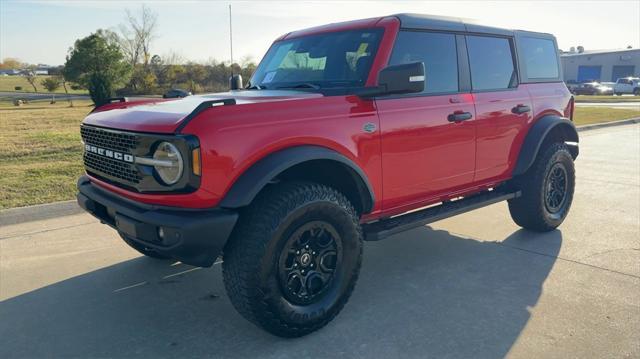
(636, 91)
(547, 190)
(294, 258)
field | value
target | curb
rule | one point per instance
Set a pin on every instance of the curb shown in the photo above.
(608, 124)
(38, 212)
(67, 208)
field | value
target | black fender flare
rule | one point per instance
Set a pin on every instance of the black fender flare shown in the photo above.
(538, 134)
(254, 179)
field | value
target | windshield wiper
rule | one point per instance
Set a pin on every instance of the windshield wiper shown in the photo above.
(300, 86)
(256, 87)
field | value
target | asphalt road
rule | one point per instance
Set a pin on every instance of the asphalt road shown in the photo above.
(475, 286)
(40, 96)
(622, 105)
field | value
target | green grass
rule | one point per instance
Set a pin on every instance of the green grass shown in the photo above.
(588, 98)
(41, 153)
(8, 84)
(590, 115)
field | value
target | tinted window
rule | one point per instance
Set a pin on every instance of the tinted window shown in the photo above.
(437, 51)
(540, 58)
(491, 63)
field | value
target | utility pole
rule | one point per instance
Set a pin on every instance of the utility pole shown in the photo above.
(231, 39)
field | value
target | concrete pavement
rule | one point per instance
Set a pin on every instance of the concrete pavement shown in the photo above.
(471, 286)
(620, 105)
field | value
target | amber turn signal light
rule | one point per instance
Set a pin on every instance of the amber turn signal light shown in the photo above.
(195, 160)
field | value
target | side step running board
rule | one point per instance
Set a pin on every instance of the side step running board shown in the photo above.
(388, 227)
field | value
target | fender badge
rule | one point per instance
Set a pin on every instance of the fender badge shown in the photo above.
(369, 127)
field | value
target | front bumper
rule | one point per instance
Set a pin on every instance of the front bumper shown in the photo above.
(191, 236)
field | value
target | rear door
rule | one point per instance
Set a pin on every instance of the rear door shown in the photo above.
(503, 107)
(426, 154)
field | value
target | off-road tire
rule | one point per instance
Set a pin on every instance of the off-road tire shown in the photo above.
(531, 210)
(251, 267)
(142, 249)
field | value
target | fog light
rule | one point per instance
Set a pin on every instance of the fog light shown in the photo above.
(161, 233)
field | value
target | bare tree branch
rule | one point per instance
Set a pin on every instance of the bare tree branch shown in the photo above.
(138, 33)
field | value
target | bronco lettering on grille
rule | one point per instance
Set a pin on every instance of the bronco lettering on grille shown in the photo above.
(109, 153)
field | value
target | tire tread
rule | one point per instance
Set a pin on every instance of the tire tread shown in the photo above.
(249, 241)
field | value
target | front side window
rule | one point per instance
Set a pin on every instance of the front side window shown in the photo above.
(437, 51)
(337, 59)
(540, 58)
(491, 63)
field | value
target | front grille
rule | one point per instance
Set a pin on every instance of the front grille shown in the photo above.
(111, 168)
(117, 141)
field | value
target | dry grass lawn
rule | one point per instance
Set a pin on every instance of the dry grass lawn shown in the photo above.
(41, 153)
(8, 84)
(589, 115)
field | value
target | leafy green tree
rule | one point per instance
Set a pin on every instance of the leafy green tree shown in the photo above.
(51, 84)
(170, 74)
(194, 76)
(96, 63)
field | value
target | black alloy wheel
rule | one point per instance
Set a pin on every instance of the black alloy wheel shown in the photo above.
(555, 188)
(308, 262)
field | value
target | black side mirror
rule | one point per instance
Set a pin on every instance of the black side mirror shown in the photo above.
(235, 82)
(397, 79)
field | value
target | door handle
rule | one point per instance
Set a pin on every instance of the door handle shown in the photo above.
(459, 116)
(520, 109)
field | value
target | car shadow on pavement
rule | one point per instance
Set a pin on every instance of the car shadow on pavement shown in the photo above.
(424, 293)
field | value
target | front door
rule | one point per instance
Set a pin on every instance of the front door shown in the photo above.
(428, 139)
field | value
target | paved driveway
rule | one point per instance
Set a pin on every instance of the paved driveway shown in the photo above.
(621, 105)
(474, 286)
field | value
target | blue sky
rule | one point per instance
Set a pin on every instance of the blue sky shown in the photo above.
(42, 31)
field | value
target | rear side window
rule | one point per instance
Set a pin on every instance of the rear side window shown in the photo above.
(437, 51)
(540, 58)
(491, 63)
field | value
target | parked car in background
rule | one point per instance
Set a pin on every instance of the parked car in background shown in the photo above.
(176, 93)
(629, 85)
(572, 84)
(605, 88)
(592, 88)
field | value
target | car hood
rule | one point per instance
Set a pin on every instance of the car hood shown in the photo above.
(165, 116)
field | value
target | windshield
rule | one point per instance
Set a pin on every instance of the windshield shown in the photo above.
(337, 59)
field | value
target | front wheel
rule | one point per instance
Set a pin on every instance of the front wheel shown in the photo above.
(547, 190)
(294, 258)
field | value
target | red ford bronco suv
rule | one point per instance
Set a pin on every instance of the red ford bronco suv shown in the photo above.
(346, 133)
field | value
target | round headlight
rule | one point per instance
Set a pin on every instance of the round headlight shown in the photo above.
(170, 170)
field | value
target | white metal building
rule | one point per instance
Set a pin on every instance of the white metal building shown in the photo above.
(600, 65)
